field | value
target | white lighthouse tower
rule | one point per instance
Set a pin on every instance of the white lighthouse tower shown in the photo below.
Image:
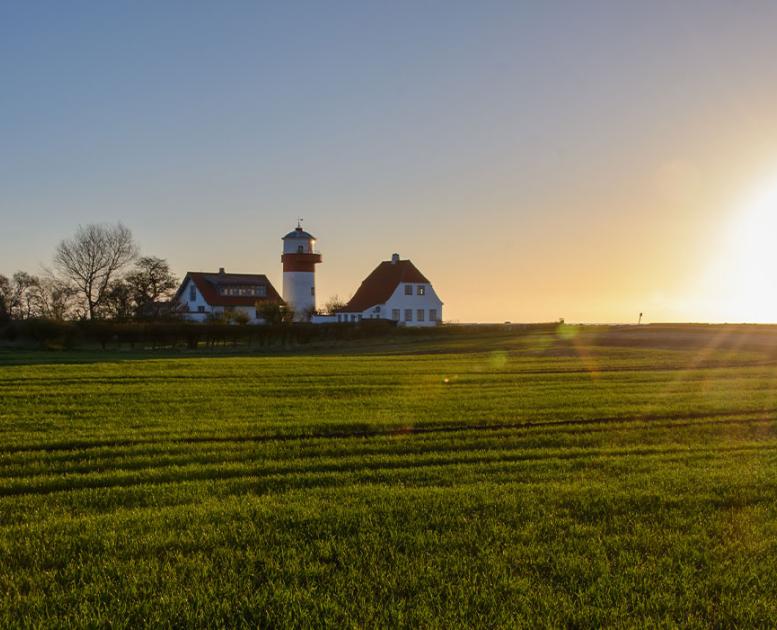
(299, 272)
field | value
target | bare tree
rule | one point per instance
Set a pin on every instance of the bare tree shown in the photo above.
(56, 298)
(150, 282)
(25, 296)
(94, 257)
(333, 304)
(5, 292)
(118, 302)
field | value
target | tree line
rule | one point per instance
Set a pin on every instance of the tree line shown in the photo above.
(96, 274)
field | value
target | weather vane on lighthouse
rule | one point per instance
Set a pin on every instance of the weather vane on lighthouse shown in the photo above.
(299, 222)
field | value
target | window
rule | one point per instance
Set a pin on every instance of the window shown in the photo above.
(200, 309)
(376, 309)
(192, 292)
(245, 290)
(300, 249)
(395, 314)
(312, 290)
(432, 314)
(421, 289)
(408, 314)
(419, 315)
(353, 318)
(408, 289)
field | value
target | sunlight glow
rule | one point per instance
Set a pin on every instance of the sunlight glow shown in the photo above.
(748, 266)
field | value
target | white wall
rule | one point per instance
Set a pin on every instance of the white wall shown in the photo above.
(191, 311)
(399, 300)
(323, 319)
(299, 292)
(426, 302)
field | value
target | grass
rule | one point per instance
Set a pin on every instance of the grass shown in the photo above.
(591, 477)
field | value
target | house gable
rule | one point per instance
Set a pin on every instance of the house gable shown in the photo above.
(380, 285)
(395, 290)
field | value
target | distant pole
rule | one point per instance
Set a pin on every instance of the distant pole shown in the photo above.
(640, 319)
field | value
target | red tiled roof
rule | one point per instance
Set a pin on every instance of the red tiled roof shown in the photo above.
(381, 284)
(208, 284)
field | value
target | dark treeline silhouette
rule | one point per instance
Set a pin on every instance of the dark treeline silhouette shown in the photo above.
(145, 335)
(109, 334)
(97, 274)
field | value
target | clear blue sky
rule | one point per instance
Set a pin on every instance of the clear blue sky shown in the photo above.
(536, 160)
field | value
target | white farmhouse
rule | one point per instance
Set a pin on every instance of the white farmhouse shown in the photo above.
(397, 291)
(214, 294)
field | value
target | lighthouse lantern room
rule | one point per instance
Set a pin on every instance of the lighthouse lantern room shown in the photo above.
(299, 272)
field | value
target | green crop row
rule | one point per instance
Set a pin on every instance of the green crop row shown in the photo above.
(543, 482)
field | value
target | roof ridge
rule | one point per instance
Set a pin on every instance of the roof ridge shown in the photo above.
(226, 273)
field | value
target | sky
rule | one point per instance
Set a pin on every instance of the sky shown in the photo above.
(535, 160)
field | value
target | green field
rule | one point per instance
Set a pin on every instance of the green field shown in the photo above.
(585, 477)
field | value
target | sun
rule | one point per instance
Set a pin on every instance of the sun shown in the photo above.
(748, 265)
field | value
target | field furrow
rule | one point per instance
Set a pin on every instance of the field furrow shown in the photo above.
(575, 484)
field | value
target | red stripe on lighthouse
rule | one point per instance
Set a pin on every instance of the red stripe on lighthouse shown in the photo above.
(300, 262)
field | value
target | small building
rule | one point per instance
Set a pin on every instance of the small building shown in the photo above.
(396, 290)
(203, 295)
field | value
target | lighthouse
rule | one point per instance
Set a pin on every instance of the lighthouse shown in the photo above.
(299, 272)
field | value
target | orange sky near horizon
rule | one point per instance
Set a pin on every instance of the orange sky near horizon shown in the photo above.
(685, 247)
(586, 162)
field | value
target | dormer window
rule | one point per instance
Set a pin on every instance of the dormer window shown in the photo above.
(259, 290)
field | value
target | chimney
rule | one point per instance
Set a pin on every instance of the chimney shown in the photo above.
(394, 259)
(221, 271)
